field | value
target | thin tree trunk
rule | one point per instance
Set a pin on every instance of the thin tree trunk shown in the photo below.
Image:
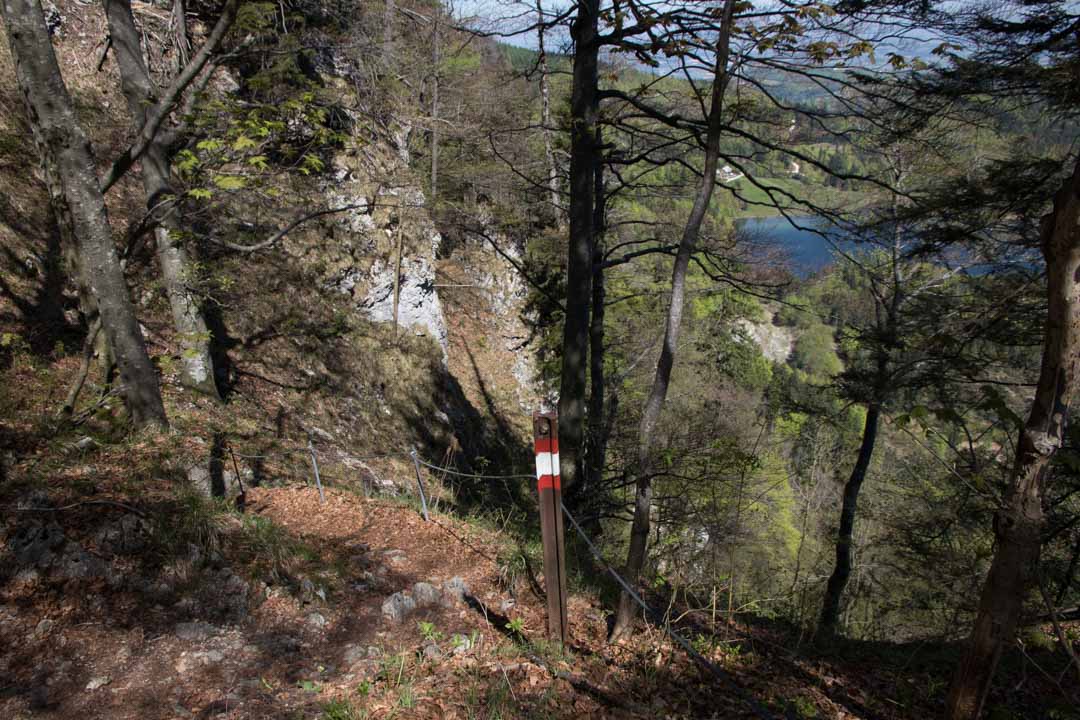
(84, 369)
(435, 109)
(639, 530)
(887, 319)
(177, 272)
(583, 161)
(732, 545)
(545, 118)
(834, 591)
(1070, 573)
(389, 17)
(181, 43)
(598, 427)
(809, 488)
(49, 106)
(397, 270)
(1019, 522)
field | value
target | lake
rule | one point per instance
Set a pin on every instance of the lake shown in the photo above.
(807, 251)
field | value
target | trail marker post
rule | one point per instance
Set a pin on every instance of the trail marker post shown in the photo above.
(549, 488)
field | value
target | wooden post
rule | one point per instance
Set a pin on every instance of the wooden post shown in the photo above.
(420, 485)
(549, 488)
(315, 467)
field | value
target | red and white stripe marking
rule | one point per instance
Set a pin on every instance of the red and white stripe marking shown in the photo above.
(547, 464)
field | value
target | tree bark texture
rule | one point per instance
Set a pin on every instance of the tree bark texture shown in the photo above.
(196, 361)
(69, 251)
(639, 530)
(1018, 523)
(50, 109)
(596, 454)
(583, 161)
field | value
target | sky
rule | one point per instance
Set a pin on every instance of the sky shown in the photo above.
(514, 21)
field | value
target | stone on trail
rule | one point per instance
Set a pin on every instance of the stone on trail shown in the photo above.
(394, 556)
(455, 588)
(426, 594)
(195, 631)
(43, 627)
(397, 606)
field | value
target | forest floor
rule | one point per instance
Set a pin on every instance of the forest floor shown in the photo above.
(291, 610)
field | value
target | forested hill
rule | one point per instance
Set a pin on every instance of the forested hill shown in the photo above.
(282, 286)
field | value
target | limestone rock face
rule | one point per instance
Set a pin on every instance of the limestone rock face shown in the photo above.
(419, 307)
(386, 216)
(775, 342)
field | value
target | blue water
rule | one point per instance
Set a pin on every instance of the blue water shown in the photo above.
(805, 252)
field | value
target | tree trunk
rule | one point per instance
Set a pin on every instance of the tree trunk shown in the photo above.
(834, 591)
(435, 109)
(639, 530)
(1018, 523)
(1069, 573)
(69, 251)
(389, 18)
(583, 161)
(598, 427)
(545, 118)
(50, 108)
(181, 43)
(197, 366)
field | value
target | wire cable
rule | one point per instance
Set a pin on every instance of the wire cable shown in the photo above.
(478, 476)
(718, 672)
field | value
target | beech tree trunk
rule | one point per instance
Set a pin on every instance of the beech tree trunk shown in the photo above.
(834, 591)
(1018, 523)
(196, 363)
(583, 161)
(545, 118)
(639, 530)
(69, 251)
(50, 109)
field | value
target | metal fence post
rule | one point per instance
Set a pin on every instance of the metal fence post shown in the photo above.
(315, 467)
(420, 485)
(549, 489)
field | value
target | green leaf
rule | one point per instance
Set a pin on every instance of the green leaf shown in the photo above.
(310, 164)
(230, 182)
(200, 193)
(185, 161)
(244, 143)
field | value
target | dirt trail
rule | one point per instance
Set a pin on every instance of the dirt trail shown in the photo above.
(102, 654)
(203, 637)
